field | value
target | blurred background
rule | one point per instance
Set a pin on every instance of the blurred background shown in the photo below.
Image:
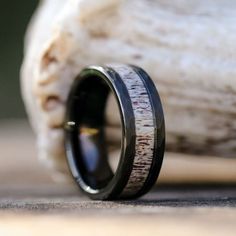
(19, 167)
(14, 18)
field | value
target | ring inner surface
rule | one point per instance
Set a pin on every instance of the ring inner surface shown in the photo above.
(89, 111)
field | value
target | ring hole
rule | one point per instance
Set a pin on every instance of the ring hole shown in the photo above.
(98, 134)
(113, 132)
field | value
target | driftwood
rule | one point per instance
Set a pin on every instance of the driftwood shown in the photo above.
(188, 48)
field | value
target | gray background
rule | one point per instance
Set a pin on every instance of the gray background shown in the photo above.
(14, 17)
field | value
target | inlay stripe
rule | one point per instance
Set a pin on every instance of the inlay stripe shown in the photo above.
(144, 126)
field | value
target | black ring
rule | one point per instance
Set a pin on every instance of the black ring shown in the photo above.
(143, 132)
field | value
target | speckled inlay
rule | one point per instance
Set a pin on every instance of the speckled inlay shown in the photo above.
(144, 126)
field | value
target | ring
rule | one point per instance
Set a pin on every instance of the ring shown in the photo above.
(143, 132)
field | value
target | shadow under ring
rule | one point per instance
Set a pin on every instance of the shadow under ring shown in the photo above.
(143, 132)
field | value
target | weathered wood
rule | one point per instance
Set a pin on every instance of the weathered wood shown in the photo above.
(186, 46)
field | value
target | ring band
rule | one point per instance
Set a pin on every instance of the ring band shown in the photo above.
(143, 132)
